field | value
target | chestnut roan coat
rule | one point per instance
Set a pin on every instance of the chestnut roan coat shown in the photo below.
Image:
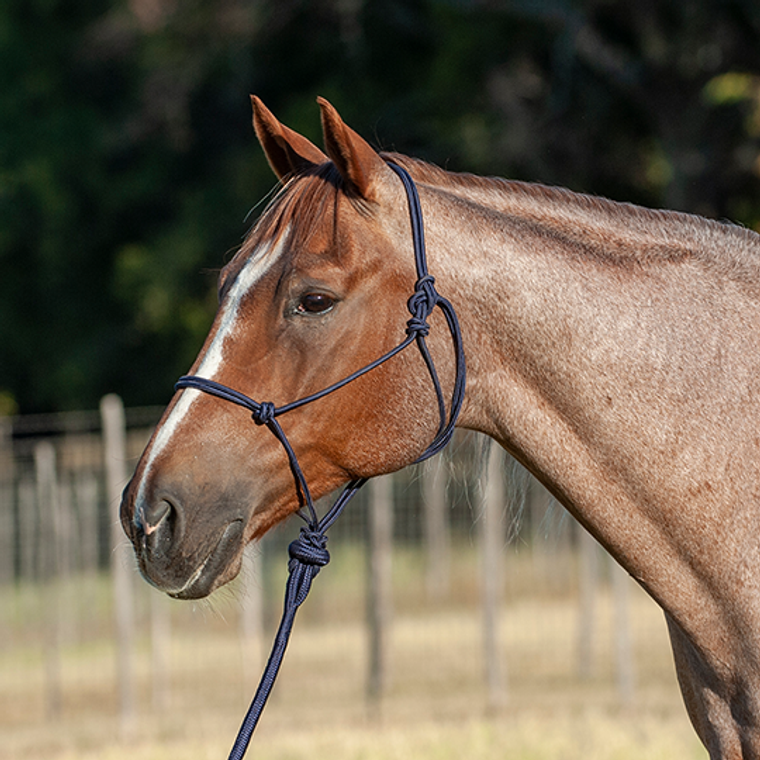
(614, 351)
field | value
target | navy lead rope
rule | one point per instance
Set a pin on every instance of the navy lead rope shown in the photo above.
(308, 553)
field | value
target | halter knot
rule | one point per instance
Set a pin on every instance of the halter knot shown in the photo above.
(425, 297)
(421, 305)
(310, 548)
(417, 326)
(264, 414)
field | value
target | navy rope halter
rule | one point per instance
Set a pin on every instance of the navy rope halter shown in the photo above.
(308, 553)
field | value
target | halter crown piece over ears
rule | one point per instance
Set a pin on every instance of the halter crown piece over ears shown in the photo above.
(308, 553)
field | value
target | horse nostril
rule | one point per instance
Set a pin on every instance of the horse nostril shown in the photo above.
(158, 526)
(155, 515)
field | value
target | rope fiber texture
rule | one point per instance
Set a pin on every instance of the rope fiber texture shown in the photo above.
(308, 553)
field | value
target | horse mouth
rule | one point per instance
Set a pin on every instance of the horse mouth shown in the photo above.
(216, 569)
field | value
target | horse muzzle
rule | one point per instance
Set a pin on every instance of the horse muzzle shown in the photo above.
(181, 565)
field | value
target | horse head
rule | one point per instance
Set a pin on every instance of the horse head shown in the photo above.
(317, 290)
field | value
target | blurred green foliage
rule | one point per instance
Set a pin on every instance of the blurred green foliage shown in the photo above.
(128, 167)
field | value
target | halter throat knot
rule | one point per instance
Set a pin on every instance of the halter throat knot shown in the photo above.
(310, 548)
(421, 305)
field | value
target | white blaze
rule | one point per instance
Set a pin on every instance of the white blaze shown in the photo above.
(254, 269)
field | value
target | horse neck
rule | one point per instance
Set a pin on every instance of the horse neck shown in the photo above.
(563, 295)
(593, 333)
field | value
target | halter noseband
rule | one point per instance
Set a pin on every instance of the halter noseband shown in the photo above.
(308, 553)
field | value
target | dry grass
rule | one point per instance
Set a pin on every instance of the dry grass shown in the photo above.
(589, 736)
(436, 707)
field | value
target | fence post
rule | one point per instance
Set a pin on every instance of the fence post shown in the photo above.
(588, 572)
(7, 548)
(492, 541)
(379, 593)
(252, 618)
(626, 677)
(537, 506)
(49, 567)
(160, 645)
(85, 490)
(437, 540)
(28, 528)
(122, 558)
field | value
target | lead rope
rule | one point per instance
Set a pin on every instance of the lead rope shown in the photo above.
(308, 553)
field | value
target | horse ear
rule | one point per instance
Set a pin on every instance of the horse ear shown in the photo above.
(358, 163)
(287, 152)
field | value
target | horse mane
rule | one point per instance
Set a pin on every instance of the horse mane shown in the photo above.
(606, 231)
(617, 233)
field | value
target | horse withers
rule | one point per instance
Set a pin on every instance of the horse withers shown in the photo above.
(614, 351)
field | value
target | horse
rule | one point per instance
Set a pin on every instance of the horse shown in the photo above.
(613, 350)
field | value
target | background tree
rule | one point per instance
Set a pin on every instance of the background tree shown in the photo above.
(128, 169)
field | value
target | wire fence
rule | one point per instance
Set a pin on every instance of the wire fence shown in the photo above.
(457, 587)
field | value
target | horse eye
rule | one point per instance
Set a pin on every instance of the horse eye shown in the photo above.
(315, 303)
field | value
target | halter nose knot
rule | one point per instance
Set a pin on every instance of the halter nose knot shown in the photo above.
(264, 414)
(310, 548)
(421, 305)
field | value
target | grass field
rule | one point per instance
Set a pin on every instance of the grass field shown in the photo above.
(436, 706)
(524, 737)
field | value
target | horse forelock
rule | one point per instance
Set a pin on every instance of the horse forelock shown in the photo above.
(304, 203)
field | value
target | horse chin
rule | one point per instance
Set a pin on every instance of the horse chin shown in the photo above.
(220, 566)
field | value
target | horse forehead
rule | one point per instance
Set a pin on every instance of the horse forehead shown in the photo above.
(250, 272)
(249, 266)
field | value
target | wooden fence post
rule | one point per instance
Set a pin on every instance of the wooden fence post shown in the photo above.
(588, 573)
(28, 528)
(379, 593)
(538, 503)
(49, 570)
(626, 677)
(436, 527)
(122, 557)
(85, 494)
(160, 646)
(492, 539)
(252, 618)
(7, 548)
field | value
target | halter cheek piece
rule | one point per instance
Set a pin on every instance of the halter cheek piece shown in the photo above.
(308, 553)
